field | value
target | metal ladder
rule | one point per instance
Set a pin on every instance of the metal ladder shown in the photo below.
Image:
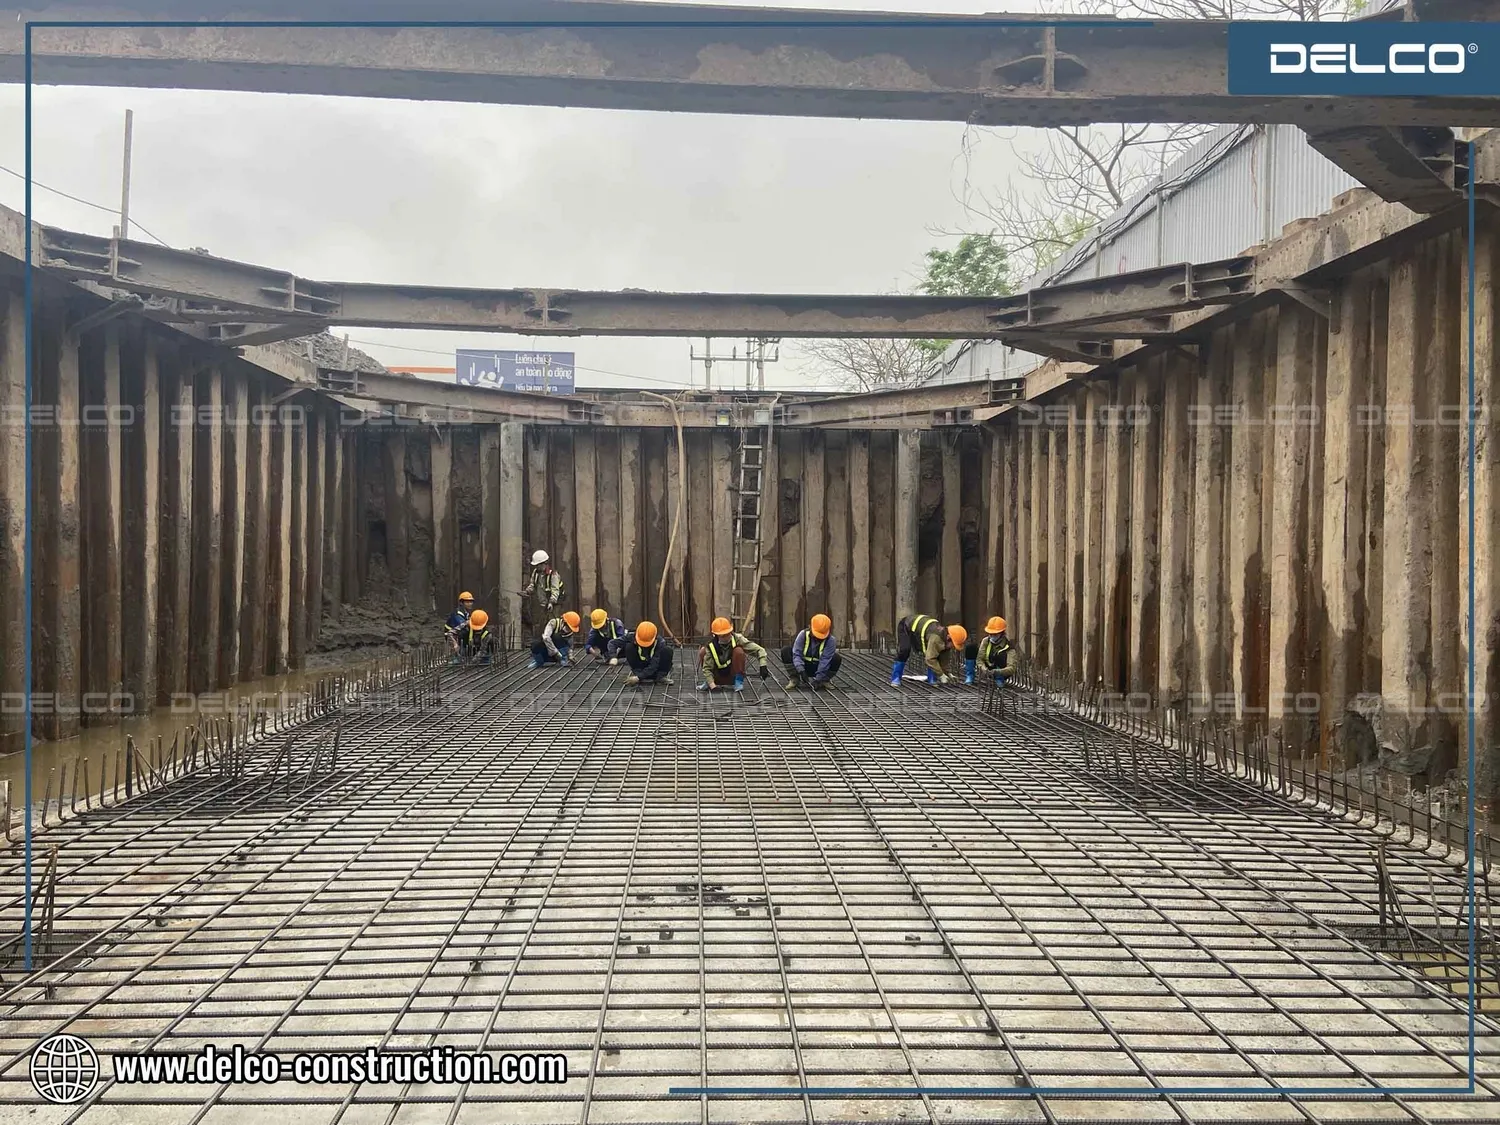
(749, 492)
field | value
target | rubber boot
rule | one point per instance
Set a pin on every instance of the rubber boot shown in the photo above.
(704, 686)
(739, 683)
(897, 670)
(931, 676)
(535, 664)
(969, 671)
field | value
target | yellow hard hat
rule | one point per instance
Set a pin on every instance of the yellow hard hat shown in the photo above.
(721, 627)
(645, 633)
(821, 626)
(466, 597)
(958, 635)
(598, 618)
(573, 620)
(995, 626)
(479, 619)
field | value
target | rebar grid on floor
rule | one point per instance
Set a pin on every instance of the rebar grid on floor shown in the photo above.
(783, 893)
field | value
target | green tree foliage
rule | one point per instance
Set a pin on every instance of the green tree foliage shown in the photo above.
(977, 267)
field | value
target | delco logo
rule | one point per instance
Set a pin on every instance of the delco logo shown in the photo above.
(1344, 58)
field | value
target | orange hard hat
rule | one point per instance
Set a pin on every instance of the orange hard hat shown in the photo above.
(573, 620)
(821, 625)
(598, 618)
(479, 619)
(958, 635)
(466, 597)
(645, 633)
(721, 627)
(995, 626)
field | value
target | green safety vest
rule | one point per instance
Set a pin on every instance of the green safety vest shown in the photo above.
(713, 651)
(919, 627)
(807, 649)
(992, 647)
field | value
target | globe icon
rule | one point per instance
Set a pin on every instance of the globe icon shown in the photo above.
(64, 1069)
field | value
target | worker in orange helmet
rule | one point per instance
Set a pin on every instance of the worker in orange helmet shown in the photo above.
(552, 647)
(993, 656)
(938, 644)
(475, 641)
(813, 656)
(457, 619)
(726, 656)
(649, 656)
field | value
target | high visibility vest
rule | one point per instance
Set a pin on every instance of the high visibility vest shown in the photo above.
(645, 654)
(713, 653)
(476, 636)
(992, 647)
(616, 628)
(919, 628)
(808, 654)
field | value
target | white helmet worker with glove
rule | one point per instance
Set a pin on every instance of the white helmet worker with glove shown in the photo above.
(544, 583)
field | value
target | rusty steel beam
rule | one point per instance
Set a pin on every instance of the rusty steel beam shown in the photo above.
(991, 70)
(193, 287)
(1419, 167)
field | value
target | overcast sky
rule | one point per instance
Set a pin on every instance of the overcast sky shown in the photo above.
(512, 196)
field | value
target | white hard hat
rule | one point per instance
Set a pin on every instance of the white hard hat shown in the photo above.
(538, 558)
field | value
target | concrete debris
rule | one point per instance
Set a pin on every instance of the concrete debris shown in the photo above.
(328, 351)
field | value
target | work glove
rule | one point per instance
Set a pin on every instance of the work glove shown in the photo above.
(943, 679)
(633, 680)
(819, 681)
(764, 672)
(614, 660)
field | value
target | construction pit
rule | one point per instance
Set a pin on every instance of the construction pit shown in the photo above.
(1221, 851)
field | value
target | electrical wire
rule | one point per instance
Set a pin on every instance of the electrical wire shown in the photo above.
(85, 202)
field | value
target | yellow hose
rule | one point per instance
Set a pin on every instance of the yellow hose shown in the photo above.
(661, 589)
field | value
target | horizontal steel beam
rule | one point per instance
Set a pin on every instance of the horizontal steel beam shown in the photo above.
(219, 291)
(1411, 165)
(992, 70)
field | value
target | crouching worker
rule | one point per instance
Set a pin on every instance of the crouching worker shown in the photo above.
(994, 656)
(556, 637)
(813, 656)
(649, 657)
(607, 635)
(476, 644)
(726, 657)
(938, 646)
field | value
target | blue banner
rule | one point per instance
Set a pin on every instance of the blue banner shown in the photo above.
(1349, 59)
(544, 372)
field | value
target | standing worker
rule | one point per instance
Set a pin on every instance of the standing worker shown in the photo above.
(544, 584)
(555, 639)
(938, 645)
(724, 659)
(813, 656)
(649, 657)
(606, 636)
(994, 656)
(459, 618)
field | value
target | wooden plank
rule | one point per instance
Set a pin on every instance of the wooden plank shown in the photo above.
(1095, 401)
(13, 504)
(768, 604)
(235, 491)
(142, 518)
(445, 582)
(1145, 527)
(1445, 375)
(700, 581)
(101, 476)
(609, 523)
(883, 609)
(1021, 624)
(490, 499)
(1057, 547)
(791, 561)
(1079, 506)
(994, 521)
(1039, 624)
(929, 537)
(174, 605)
(677, 610)
(951, 568)
(814, 526)
(1011, 516)
(208, 527)
(1486, 501)
(1208, 625)
(721, 555)
(654, 522)
(1115, 416)
(1243, 518)
(836, 508)
(1374, 606)
(564, 516)
(861, 522)
(254, 604)
(398, 513)
(632, 536)
(278, 601)
(317, 484)
(356, 547)
(590, 497)
(334, 522)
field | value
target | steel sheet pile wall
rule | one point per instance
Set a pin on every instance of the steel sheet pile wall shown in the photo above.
(1275, 530)
(178, 515)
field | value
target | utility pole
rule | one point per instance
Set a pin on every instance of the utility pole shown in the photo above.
(755, 361)
(757, 349)
(123, 230)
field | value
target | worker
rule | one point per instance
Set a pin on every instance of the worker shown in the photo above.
(458, 619)
(726, 657)
(813, 656)
(475, 641)
(555, 639)
(544, 583)
(649, 657)
(994, 656)
(606, 637)
(939, 647)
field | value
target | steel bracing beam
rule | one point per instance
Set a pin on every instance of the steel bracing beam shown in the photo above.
(196, 288)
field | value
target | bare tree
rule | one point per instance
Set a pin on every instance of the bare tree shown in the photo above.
(872, 365)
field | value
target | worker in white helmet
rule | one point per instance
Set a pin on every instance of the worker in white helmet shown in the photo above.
(545, 584)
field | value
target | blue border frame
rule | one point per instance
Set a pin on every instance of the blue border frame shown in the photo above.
(1093, 1092)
